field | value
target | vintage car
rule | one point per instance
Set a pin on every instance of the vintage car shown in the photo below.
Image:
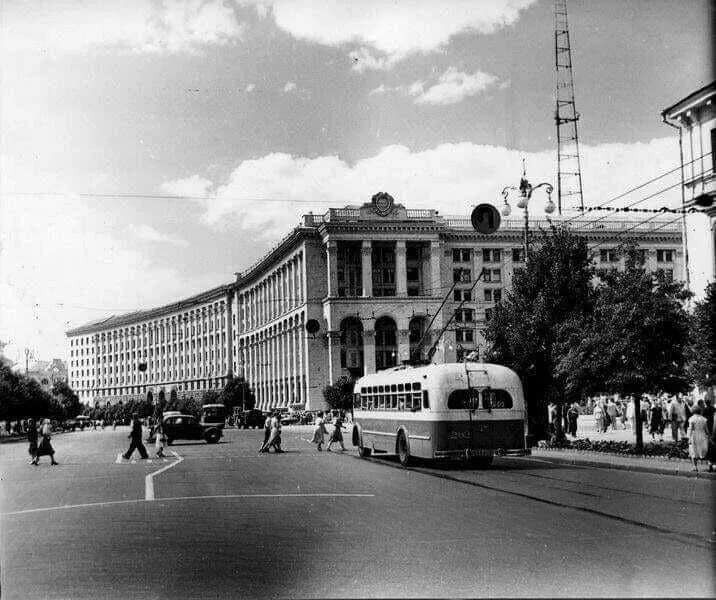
(188, 427)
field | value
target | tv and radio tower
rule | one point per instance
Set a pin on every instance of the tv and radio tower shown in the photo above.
(569, 171)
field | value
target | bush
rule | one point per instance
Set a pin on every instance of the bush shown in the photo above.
(678, 449)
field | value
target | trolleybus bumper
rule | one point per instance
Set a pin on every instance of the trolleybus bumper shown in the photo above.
(467, 453)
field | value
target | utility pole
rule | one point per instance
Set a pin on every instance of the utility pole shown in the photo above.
(569, 171)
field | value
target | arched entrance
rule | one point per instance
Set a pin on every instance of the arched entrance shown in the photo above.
(352, 346)
(386, 343)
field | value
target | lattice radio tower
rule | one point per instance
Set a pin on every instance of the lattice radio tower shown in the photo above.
(569, 171)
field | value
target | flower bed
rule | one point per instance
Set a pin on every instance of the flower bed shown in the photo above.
(677, 450)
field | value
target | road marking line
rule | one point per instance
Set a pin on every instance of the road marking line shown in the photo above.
(149, 479)
(180, 498)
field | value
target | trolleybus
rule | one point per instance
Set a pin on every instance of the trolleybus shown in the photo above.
(446, 411)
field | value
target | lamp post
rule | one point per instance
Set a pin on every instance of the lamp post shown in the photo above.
(526, 190)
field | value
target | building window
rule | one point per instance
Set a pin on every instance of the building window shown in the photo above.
(496, 275)
(664, 256)
(386, 345)
(461, 275)
(464, 335)
(462, 295)
(464, 315)
(491, 255)
(488, 295)
(349, 270)
(461, 255)
(608, 255)
(518, 255)
(497, 295)
(415, 258)
(383, 263)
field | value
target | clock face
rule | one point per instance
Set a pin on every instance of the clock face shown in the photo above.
(382, 203)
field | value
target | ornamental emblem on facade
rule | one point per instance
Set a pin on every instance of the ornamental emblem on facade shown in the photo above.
(382, 203)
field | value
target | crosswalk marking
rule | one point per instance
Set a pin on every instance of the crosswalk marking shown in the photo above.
(147, 461)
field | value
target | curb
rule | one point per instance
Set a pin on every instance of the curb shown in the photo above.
(676, 470)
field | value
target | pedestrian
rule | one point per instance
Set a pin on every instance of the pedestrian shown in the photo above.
(674, 415)
(698, 437)
(136, 436)
(319, 432)
(274, 439)
(572, 416)
(655, 422)
(598, 417)
(267, 433)
(32, 438)
(159, 439)
(45, 447)
(612, 413)
(708, 414)
(337, 435)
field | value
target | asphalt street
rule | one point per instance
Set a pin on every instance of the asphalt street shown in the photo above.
(222, 521)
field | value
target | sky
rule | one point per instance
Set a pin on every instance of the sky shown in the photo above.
(150, 149)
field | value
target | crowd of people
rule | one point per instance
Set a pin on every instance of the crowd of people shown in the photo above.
(39, 438)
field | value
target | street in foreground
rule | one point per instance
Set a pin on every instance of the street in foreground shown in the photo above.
(224, 521)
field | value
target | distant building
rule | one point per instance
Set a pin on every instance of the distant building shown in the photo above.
(372, 277)
(695, 116)
(47, 372)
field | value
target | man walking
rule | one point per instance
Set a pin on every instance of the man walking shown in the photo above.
(136, 437)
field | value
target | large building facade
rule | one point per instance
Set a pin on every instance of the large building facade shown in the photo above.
(372, 277)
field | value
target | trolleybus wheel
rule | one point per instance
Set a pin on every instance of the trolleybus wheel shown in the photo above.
(403, 452)
(481, 462)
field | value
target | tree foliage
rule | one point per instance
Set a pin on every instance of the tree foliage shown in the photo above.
(22, 397)
(553, 289)
(237, 392)
(340, 394)
(701, 352)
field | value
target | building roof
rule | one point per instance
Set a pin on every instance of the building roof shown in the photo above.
(141, 315)
(692, 100)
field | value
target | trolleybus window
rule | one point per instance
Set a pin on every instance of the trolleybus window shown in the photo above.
(464, 399)
(496, 399)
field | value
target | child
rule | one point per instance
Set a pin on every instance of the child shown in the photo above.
(159, 440)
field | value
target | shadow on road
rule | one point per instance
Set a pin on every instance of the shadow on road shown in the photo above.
(500, 464)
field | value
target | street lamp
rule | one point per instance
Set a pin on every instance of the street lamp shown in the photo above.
(526, 189)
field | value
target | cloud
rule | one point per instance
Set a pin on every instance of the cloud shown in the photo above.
(394, 30)
(54, 27)
(190, 186)
(63, 264)
(147, 233)
(454, 86)
(451, 87)
(289, 87)
(451, 177)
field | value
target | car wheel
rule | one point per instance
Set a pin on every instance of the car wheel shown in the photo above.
(212, 437)
(403, 452)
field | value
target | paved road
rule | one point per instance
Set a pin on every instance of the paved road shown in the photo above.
(227, 522)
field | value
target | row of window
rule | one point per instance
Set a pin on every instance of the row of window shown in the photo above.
(398, 397)
(612, 255)
(464, 275)
(488, 255)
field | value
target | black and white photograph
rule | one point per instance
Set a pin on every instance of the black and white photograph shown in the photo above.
(357, 299)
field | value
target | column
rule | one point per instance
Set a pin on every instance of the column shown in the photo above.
(367, 268)
(368, 351)
(332, 267)
(334, 355)
(294, 352)
(229, 329)
(401, 273)
(435, 279)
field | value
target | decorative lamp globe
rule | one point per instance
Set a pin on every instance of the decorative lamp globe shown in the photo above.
(506, 210)
(549, 209)
(522, 202)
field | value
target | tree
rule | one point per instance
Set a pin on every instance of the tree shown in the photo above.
(340, 395)
(210, 397)
(553, 289)
(633, 342)
(701, 351)
(69, 401)
(237, 392)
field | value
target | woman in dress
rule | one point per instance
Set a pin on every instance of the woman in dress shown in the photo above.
(320, 432)
(655, 423)
(45, 448)
(159, 439)
(337, 435)
(32, 438)
(698, 437)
